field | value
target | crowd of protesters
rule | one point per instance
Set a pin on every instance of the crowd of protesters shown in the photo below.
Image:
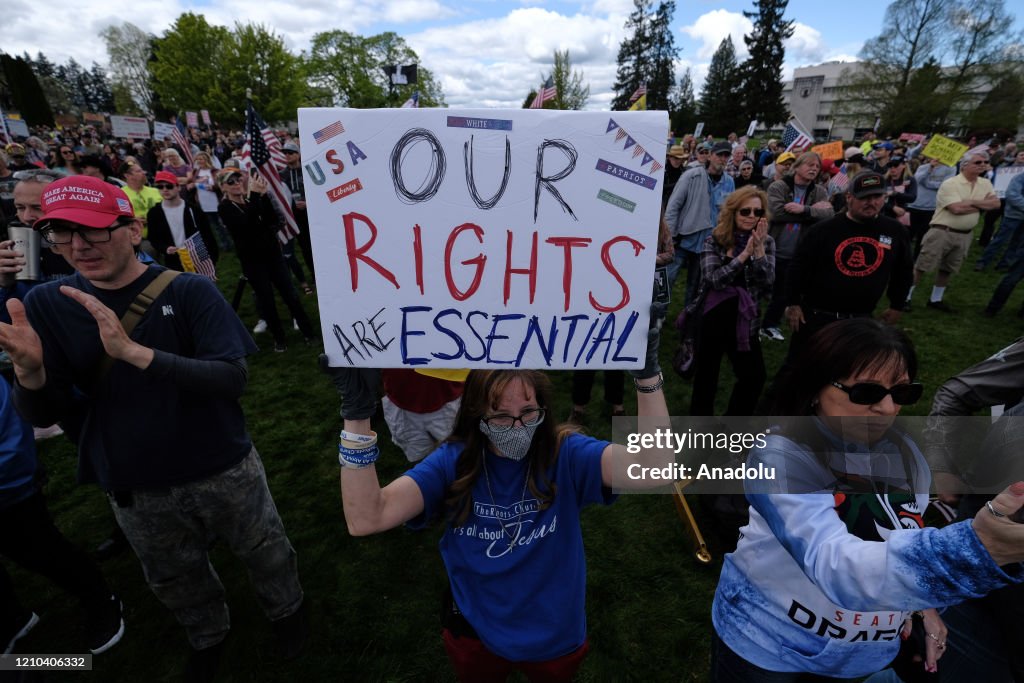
(814, 242)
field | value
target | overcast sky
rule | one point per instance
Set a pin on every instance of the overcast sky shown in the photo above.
(485, 53)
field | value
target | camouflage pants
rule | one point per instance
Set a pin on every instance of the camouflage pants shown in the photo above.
(172, 530)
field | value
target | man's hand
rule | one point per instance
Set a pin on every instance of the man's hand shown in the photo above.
(793, 207)
(795, 317)
(23, 346)
(116, 341)
(172, 250)
(823, 204)
(11, 263)
(891, 316)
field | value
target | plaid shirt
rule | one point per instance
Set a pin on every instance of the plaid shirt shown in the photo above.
(718, 271)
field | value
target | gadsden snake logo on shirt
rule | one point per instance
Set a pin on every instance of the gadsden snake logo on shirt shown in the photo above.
(859, 256)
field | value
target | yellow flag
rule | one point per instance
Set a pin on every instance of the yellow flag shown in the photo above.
(640, 104)
(444, 373)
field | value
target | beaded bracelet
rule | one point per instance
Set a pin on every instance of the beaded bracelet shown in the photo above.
(650, 389)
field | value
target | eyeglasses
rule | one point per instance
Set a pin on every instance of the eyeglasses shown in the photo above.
(980, 163)
(63, 234)
(66, 151)
(164, 186)
(702, 151)
(233, 180)
(869, 393)
(291, 151)
(747, 211)
(503, 423)
(40, 176)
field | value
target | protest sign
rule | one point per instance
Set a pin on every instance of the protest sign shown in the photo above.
(163, 131)
(830, 150)
(698, 130)
(93, 118)
(1003, 177)
(129, 127)
(483, 238)
(751, 128)
(17, 127)
(945, 150)
(206, 116)
(192, 119)
(912, 137)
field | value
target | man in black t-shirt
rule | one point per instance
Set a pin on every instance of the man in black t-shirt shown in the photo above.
(163, 431)
(843, 265)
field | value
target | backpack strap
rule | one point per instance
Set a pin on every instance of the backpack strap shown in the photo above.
(136, 311)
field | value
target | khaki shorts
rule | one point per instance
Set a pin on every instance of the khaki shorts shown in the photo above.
(943, 250)
(418, 434)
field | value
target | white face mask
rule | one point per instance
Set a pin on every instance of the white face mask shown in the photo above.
(512, 443)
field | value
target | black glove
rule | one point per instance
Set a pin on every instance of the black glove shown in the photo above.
(651, 365)
(358, 387)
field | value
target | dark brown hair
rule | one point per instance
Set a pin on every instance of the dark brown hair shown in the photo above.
(481, 395)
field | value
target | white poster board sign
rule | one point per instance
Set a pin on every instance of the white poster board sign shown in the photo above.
(163, 131)
(483, 237)
(1003, 177)
(17, 127)
(129, 127)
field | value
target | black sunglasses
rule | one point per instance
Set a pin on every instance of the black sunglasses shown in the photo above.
(164, 186)
(233, 180)
(869, 393)
(747, 211)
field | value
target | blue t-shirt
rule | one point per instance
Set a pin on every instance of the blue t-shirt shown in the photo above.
(17, 452)
(139, 431)
(525, 603)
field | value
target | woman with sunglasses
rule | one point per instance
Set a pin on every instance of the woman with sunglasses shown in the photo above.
(834, 559)
(509, 484)
(737, 267)
(65, 160)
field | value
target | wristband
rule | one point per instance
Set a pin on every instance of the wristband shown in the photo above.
(645, 389)
(357, 458)
(359, 438)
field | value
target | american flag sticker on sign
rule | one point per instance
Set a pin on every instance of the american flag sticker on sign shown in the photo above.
(328, 132)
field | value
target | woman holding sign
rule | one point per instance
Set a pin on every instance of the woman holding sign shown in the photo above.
(835, 559)
(509, 485)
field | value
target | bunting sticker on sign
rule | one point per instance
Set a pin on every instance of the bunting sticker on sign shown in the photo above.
(486, 238)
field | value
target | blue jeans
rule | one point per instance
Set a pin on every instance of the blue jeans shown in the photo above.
(1008, 236)
(1005, 287)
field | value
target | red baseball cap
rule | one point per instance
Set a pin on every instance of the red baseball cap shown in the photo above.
(84, 200)
(165, 177)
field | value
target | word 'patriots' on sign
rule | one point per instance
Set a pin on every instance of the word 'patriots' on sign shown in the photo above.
(484, 238)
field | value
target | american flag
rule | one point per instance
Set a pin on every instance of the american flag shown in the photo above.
(839, 182)
(180, 137)
(794, 138)
(546, 92)
(263, 150)
(195, 258)
(328, 132)
(640, 92)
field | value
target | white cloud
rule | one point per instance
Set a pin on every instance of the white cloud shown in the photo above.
(495, 62)
(805, 45)
(711, 28)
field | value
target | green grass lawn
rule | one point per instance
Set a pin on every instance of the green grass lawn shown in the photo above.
(375, 601)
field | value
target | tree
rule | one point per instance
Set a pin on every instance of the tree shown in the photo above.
(26, 95)
(684, 108)
(129, 49)
(983, 46)
(999, 113)
(99, 96)
(570, 92)
(647, 56)
(54, 90)
(187, 66)
(922, 104)
(351, 67)
(256, 58)
(762, 70)
(913, 32)
(720, 96)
